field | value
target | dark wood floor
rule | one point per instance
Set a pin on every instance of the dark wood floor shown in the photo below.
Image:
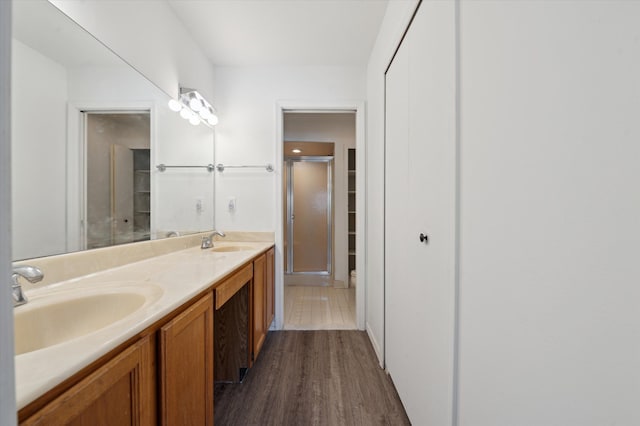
(312, 378)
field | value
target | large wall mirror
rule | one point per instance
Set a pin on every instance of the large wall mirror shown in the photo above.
(87, 133)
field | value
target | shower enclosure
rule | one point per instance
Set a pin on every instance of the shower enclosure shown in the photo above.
(308, 215)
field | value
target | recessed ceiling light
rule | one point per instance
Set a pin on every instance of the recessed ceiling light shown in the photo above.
(296, 151)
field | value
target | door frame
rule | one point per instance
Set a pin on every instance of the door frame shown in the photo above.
(281, 108)
(290, 205)
(76, 162)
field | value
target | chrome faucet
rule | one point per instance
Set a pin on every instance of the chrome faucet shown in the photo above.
(207, 242)
(31, 274)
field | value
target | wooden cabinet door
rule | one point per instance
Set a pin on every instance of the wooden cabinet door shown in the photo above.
(122, 392)
(259, 330)
(270, 287)
(186, 366)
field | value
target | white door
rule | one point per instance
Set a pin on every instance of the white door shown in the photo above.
(420, 199)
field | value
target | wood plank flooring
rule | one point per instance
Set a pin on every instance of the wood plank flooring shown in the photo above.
(312, 378)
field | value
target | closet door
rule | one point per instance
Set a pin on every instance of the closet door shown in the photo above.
(420, 200)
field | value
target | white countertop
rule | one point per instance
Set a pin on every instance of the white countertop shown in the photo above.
(176, 277)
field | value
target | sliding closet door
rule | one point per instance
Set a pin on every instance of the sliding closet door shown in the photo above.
(420, 216)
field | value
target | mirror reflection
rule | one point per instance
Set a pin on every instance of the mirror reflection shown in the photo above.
(87, 133)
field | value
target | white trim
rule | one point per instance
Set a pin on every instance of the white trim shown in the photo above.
(76, 164)
(376, 345)
(329, 107)
(361, 216)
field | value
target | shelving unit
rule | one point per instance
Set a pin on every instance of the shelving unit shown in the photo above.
(141, 194)
(351, 207)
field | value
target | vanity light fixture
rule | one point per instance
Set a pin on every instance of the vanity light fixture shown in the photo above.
(194, 107)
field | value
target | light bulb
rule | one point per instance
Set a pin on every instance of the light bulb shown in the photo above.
(296, 151)
(186, 113)
(195, 120)
(213, 120)
(174, 105)
(204, 113)
(195, 103)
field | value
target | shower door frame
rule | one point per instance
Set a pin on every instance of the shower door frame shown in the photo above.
(290, 206)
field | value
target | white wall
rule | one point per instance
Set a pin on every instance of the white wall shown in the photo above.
(7, 378)
(147, 35)
(550, 208)
(395, 22)
(341, 130)
(247, 99)
(39, 147)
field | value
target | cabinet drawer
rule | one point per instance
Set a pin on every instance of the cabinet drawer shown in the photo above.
(231, 285)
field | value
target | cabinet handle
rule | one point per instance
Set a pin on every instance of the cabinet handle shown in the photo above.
(424, 238)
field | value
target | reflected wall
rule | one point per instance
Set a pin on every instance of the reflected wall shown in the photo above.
(59, 72)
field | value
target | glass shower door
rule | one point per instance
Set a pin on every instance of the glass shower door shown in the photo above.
(310, 215)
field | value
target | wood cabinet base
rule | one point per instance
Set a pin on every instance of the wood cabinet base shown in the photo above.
(122, 392)
(186, 366)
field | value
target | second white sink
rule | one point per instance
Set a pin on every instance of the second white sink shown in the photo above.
(54, 319)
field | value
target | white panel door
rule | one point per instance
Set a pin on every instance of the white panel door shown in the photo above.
(420, 199)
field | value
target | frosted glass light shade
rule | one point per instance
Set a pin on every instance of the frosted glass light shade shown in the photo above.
(213, 120)
(204, 113)
(174, 105)
(186, 113)
(195, 104)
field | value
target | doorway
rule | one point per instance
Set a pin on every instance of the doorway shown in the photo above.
(315, 220)
(116, 177)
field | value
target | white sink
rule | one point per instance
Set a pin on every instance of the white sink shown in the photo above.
(62, 316)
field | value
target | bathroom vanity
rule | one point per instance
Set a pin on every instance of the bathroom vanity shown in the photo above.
(204, 318)
(133, 341)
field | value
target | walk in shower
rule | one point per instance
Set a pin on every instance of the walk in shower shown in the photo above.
(309, 215)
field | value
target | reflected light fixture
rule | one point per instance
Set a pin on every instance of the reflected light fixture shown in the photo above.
(194, 107)
(296, 151)
(175, 105)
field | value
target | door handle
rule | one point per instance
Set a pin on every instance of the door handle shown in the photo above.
(424, 238)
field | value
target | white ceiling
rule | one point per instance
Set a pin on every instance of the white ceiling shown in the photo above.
(283, 32)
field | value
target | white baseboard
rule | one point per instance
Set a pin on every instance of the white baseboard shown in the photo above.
(376, 346)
